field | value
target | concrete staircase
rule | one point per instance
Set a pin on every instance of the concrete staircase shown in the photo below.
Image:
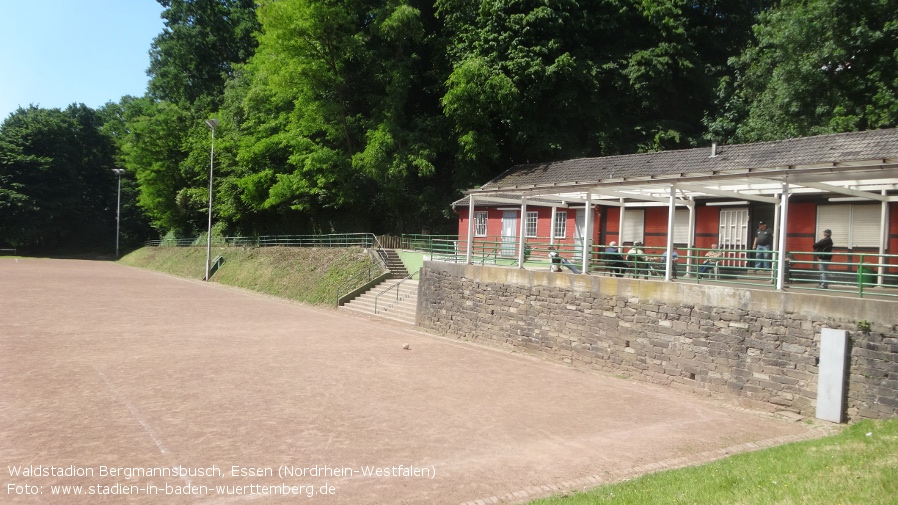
(395, 264)
(388, 307)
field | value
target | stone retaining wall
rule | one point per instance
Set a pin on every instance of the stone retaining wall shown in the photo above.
(759, 345)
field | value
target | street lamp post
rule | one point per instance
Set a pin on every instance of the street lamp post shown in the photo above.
(118, 207)
(212, 123)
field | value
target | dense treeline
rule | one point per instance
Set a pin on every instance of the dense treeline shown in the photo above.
(373, 115)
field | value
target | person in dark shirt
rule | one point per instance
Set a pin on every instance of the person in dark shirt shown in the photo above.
(614, 260)
(763, 242)
(824, 250)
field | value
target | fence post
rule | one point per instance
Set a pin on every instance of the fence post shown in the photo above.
(860, 276)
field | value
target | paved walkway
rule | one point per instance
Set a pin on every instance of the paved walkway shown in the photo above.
(113, 376)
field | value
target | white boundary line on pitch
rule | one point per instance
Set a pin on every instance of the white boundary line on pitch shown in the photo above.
(146, 427)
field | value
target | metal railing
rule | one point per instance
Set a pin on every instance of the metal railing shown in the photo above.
(396, 286)
(361, 240)
(848, 272)
(366, 240)
(356, 281)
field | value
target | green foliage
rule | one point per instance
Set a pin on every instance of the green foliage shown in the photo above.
(818, 66)
(202, 41)
(366, 115)
(57, 188)
(330, 112)
(540, 80)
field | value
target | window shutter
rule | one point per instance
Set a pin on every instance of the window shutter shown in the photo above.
(681, 226)
(634, 225)
(864, 226)
(836, 218)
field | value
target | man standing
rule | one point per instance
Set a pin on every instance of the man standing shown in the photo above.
(824, 250)
(763, 242)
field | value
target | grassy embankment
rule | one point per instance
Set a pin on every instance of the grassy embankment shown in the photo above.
(857, 466)
(307, 274)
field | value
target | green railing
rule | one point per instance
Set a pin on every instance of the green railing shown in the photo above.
(366, 240)
(851, 273)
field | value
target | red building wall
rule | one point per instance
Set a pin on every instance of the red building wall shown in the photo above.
(707, 226)
(656, 227)
(802, 225)
(612, 224)
(543, 223)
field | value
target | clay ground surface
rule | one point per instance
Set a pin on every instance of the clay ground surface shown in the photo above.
(113, 372)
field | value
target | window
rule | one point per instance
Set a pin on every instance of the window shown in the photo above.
(852, 225)
(480, 224)
(634, 225)
(530, 225)
(560, 224)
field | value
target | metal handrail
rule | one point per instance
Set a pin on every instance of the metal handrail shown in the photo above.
(353, 281)
(377, 296)
(328, 240)
(381, 254)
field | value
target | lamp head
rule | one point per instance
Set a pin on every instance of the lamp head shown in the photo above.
(212, 123)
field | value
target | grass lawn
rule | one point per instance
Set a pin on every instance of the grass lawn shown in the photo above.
(307, 274)
(857, 466)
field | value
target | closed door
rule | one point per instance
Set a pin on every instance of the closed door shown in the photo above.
(509, 232)
(733, 237)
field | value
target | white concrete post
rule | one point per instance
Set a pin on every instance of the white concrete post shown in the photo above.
(883, 238)
(587, 233)
(782, 230)
(521, 227)
(831, 374)
(620, 226)
(552, 226)
(671, 210)
(691, 262)
(469, 248)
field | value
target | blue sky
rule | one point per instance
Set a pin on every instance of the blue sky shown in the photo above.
(57, 52)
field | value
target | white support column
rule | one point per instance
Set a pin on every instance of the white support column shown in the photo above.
(552, 225)
(883, 238)
(783, 230)
(671, 211)
(587, 233)
(777, 232)
(620, 227)
(691, 261)
(521, 227)
(776, 228)
(469, 248)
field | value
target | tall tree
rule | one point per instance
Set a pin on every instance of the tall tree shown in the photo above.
(818, 66)
(57, 187)
(202, 41)
(537, 80)
(336, 112)
(166, 143)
